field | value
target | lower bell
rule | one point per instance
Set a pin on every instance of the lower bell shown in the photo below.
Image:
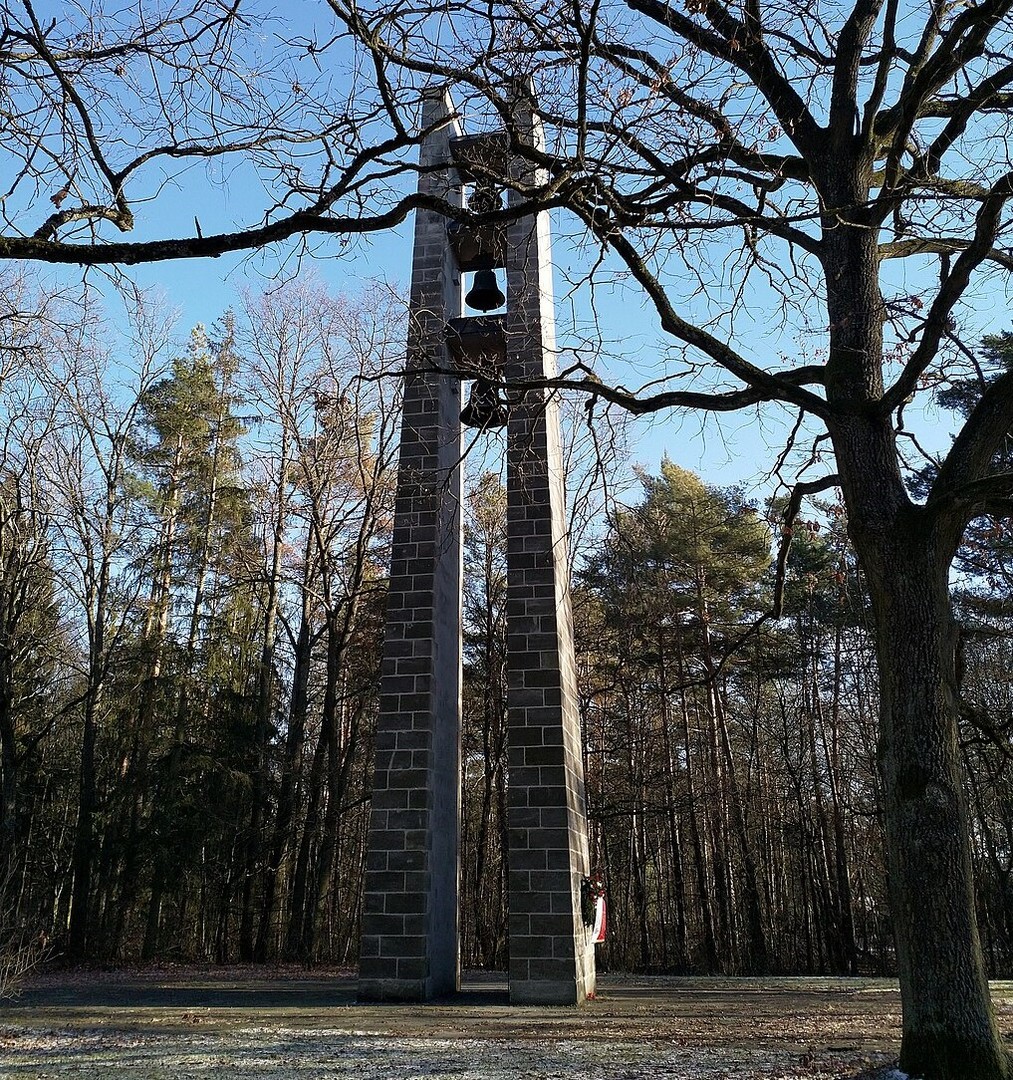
(485, 409)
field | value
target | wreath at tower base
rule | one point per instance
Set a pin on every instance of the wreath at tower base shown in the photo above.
(592, 905)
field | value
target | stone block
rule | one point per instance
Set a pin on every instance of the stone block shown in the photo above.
(372, 967)
(396, 945)
(376, 859)
(529, 991)
(385, 882)
(535, 901)
(542, 755)
(406, 859)
(411, 968)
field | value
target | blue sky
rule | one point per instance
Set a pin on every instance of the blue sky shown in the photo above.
(737, 448)
(729, 449)
(726, 450)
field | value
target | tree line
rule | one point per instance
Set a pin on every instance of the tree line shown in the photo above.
(192, 583)
(192, 574)
(731, 759)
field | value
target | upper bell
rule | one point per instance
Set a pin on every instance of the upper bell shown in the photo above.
(485, 294)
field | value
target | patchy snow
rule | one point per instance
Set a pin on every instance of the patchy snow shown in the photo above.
(261, 1024)
(277, 1053)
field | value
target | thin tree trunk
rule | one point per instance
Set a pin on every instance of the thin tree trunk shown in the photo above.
(288, 791)
(99, 574)
(340, 729)
(84, 835)
(832, 751)
(674, 831)
(265, 697)
(699, 859)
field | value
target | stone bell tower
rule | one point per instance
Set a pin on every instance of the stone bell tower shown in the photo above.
(410, 919)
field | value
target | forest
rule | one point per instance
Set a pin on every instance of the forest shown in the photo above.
(193, 550)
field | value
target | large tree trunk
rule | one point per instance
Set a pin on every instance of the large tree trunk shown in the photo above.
(949, 1026)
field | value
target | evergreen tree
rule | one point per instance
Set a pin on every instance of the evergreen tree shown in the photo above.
(195, 635)
(677, 581)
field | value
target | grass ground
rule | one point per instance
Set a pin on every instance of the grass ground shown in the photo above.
(287, 1024)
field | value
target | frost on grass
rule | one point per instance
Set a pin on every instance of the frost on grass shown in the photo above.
(264, 1053)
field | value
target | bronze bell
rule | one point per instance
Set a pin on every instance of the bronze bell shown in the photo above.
(485, 409)
(485, 292)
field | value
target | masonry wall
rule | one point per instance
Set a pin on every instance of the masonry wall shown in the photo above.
(551, 954)
(409, 948)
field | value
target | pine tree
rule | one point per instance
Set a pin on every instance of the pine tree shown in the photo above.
(677, 581)
(187, 472)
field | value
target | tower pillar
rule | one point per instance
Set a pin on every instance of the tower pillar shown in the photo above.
(409, 943)
(551, 953)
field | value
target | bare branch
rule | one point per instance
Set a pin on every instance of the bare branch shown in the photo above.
(736, 46)
(901, 249)
(771, 386)
(800, 491)
(952, 289)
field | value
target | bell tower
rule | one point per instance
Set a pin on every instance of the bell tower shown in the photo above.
(410, 920)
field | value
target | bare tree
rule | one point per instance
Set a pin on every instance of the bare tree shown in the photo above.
(815, 150)
(107, 116)
(316, 373)
(23, 522)
(82, 475)
(282, 346)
